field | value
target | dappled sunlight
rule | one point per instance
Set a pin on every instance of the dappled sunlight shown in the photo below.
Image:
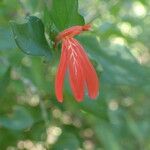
(139, 9)
(113, 105)
(52, 134)
(29, 145)
(118, 41)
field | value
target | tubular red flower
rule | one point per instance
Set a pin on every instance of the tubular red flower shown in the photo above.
(89, 71)
(74, 59)
(71, 32)
(61, 73)
(76, 73)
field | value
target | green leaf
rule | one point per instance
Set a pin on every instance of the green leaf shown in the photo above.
(6, 42)
(8, 138)
(134, 128)
(19, 120)
(5, 81)
(30, 37)
(64, 14)
(106, 135)
(67, 141)
(96, 107)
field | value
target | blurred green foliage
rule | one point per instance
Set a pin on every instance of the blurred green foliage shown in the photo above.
(119, 48)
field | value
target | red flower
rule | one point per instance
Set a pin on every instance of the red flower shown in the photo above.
(74, 59)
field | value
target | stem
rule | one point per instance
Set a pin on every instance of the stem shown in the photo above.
(44, 113)
(23, 7)
(94, 18)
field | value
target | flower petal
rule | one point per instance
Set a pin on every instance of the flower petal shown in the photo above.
(61, 73)
(75, 72)
(89, 71)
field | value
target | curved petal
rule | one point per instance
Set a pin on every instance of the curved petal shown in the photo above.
(89, 71)
(75, 72)
(61, 73)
